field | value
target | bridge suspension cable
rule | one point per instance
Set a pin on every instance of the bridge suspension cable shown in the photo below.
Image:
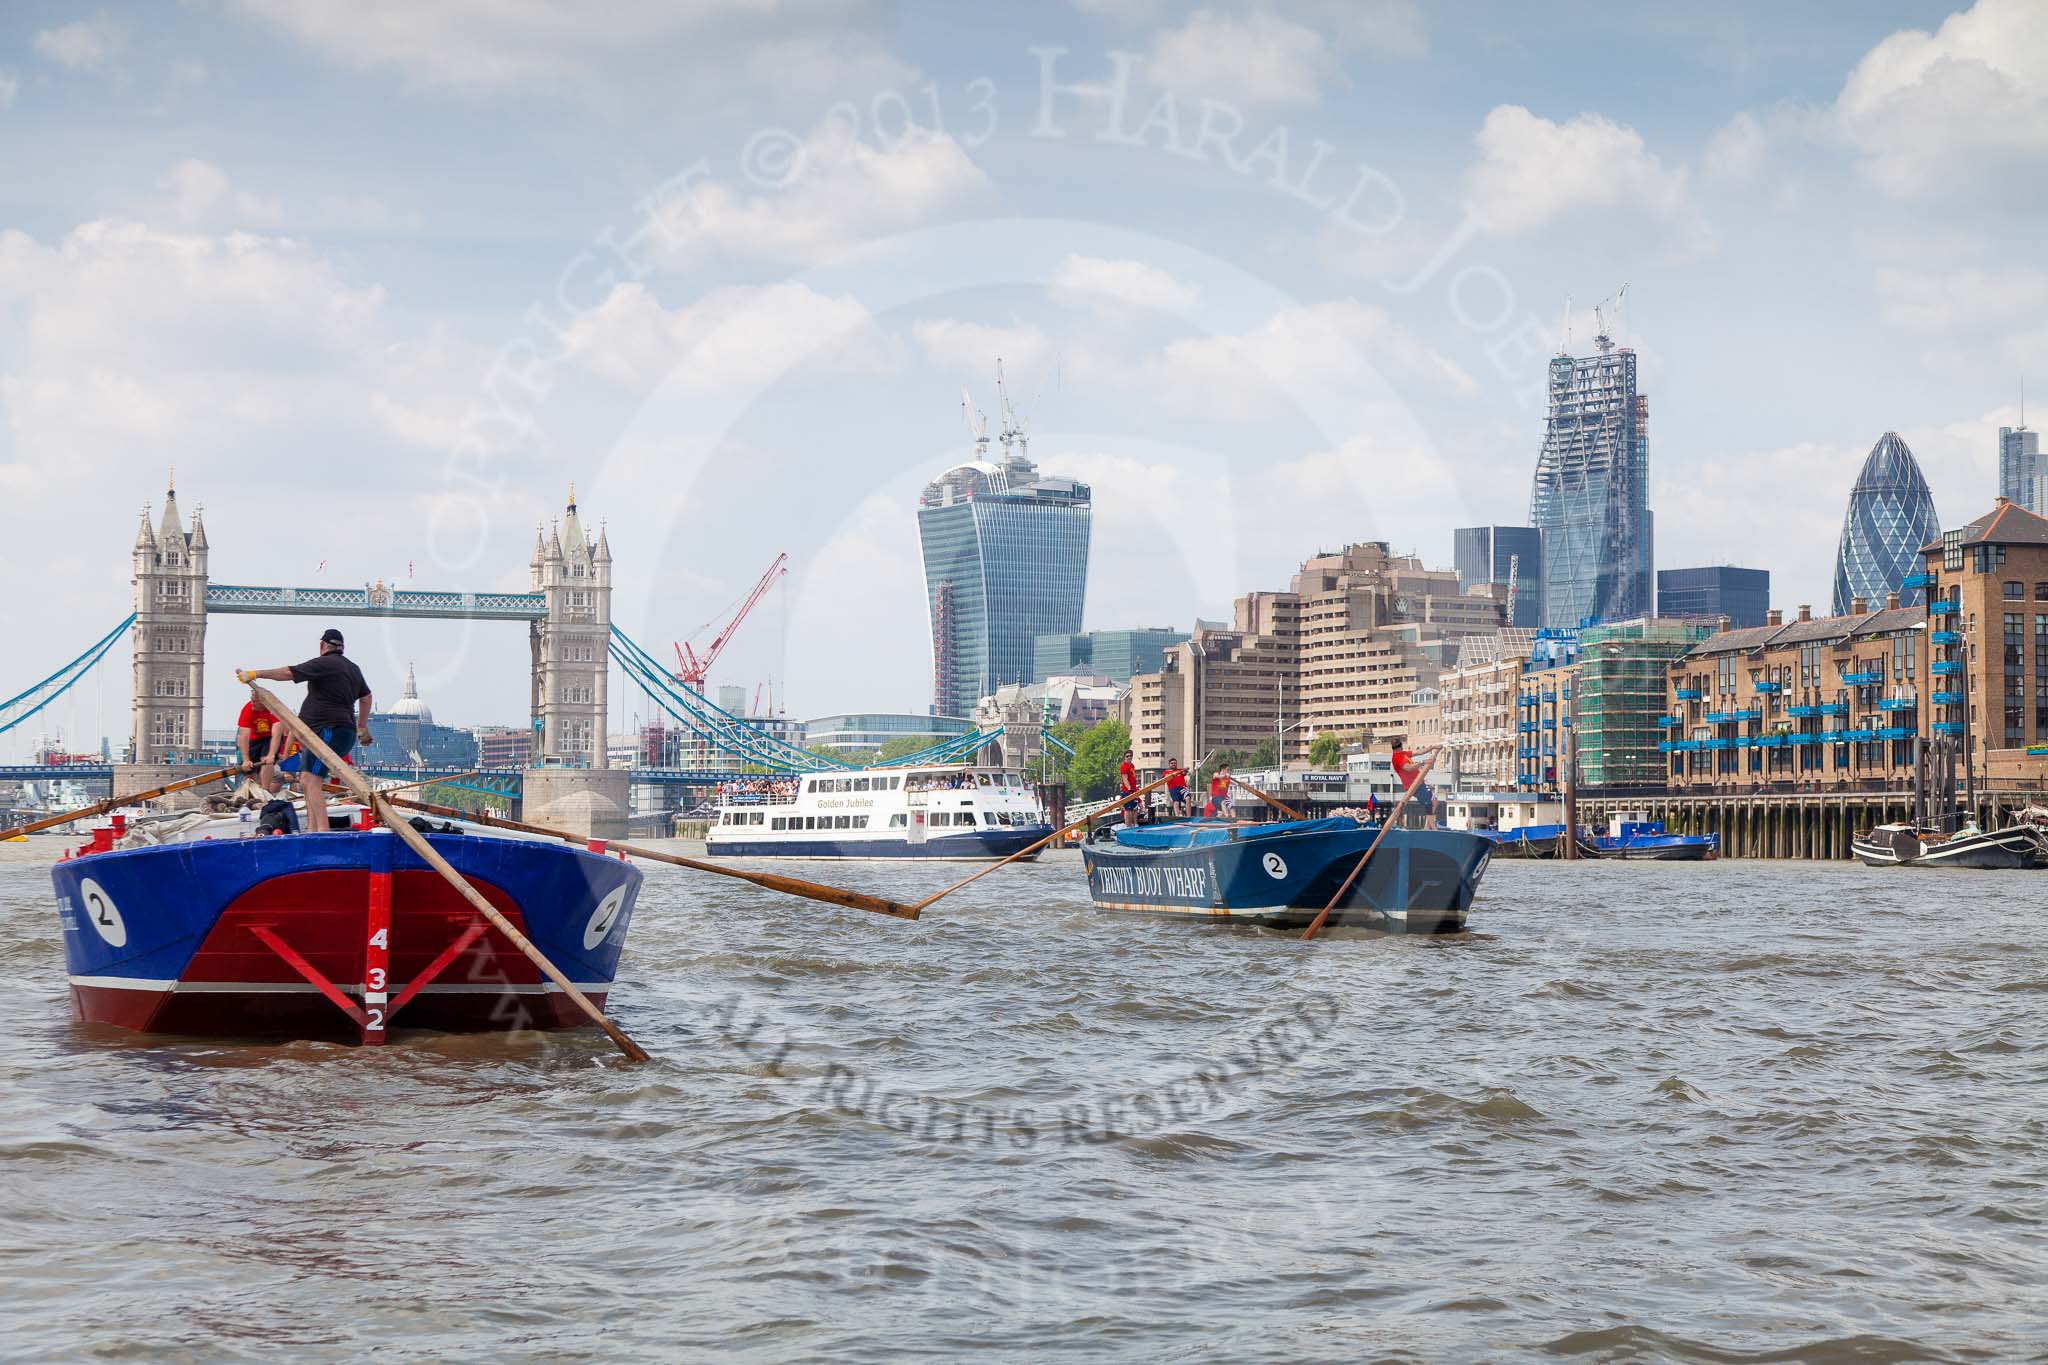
(719, 728)
(23, 705)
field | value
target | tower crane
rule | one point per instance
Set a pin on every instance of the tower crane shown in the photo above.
(692, 666)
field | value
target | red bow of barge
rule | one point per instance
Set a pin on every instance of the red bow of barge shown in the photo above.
(336, 934)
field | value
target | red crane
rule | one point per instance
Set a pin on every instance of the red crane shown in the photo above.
(690, 666)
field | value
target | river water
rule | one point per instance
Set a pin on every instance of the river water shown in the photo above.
(1708, 1112)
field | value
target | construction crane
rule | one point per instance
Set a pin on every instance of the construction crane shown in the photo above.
(691, 666)
(1606, 317)
(1514, 582)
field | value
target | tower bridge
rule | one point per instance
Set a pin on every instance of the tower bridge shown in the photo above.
(571, 639)
(567, 615)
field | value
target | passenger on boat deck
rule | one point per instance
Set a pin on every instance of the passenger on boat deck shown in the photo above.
(337, 708)
(252, 742)
(1176, 789)
(1222, 804)
(1127, 785)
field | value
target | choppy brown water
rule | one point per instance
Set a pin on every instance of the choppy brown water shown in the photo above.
(1720, 1112)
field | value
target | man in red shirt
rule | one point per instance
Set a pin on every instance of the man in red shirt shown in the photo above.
(252, 741)
(1127, 783)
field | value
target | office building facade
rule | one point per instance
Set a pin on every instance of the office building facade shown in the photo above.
(1005, 561)
(2019, 467)
(1117, 655)
(868, 731)
(1510, 557)
(1890, 517)
(1590, 496)
(1715, 590)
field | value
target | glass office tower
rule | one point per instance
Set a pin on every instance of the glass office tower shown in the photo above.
(1890, 516)
(1590, 497)
(1741, 595)
(1005, 561)
(1503, 555)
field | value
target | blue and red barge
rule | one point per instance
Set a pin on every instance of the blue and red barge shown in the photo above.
(339, 933)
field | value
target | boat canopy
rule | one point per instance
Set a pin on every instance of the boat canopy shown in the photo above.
(1194, 834)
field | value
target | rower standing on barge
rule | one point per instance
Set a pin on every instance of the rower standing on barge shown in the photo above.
(337, 707)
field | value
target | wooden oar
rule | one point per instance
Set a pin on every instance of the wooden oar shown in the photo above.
(360, 786)
(1275, 802)
(1123, 799)
(1316, 925)
(793, 886)
(116, 802)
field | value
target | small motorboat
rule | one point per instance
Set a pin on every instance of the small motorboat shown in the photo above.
(1281, 874)
(205, 924)
(1902, 845)
(1647, 840)
(1528, 841)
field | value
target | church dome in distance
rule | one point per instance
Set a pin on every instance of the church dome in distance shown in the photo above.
(409, 706)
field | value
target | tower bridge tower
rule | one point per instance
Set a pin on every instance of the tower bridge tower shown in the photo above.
(570, 661)
(170, 635)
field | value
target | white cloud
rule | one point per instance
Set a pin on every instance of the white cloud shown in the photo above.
(730, 337)
(1735, 154)
(9, 88)
(1309, 349)
(1533, 172)
(701, 50)
(83, 46)
(1955, 107)
(839, 193)
(200, 194)
(187, 73)
(1956, 304)
(972, 348)
(123, 338)
(1259, 59)
(1091, 282)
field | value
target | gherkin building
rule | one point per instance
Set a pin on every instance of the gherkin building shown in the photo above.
(1890, 517)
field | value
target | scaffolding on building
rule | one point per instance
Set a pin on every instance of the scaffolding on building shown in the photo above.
(1624, 671)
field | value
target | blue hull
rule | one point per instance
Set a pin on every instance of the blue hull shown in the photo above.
(172, 938)
(980, 846)
(1673, 848)
(1282, 875)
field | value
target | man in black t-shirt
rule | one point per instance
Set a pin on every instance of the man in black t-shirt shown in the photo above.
(337, 708)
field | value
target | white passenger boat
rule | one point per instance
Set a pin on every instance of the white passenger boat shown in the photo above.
(960, 813)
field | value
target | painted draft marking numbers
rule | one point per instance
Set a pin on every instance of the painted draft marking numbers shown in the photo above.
(1276, 866)
(603, 918)
(102, 914)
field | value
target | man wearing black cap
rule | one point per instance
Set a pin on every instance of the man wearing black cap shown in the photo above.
(337, 708)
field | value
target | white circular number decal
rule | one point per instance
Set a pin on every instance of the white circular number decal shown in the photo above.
(603, 918)
(1276, 866)
(100, 912)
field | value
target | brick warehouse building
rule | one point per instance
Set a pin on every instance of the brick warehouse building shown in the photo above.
(1817, 702)
(1836, 703)
(1987, 588)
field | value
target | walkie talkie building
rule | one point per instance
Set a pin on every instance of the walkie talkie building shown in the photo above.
(1891, 515)
(1590, 498)
(1005, 561)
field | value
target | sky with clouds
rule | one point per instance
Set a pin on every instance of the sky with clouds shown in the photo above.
(381, 278)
